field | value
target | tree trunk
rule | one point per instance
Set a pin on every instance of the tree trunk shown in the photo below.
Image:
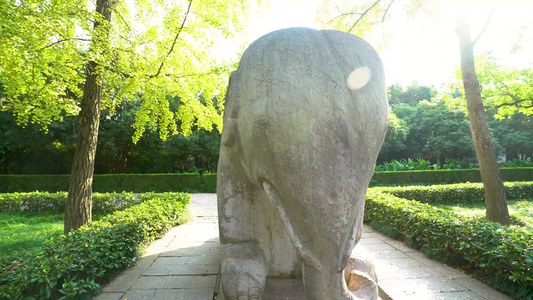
(78, 210)
(495, 198)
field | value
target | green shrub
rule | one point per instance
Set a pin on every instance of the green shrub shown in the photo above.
(34, 201)
(458, 193)
(425, 177)
(393, 178)
(30, 183)
(38, 201)
(141, 183)
(517, 174)
(518, 163)
(137, 183)
(504, 254)
(76, 264)
(422, 164)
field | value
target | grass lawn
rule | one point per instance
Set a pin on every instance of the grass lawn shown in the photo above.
(521, 211)
(25, 231)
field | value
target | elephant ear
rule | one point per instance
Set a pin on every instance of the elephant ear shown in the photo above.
(233, 95)
(232, 107)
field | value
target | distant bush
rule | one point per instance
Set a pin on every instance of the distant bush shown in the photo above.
(518, 163)
(448, 164)
(74, 265)
(422, 164)
(502, 254)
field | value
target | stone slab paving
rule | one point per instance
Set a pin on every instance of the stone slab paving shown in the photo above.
(183, 265)
(405, 273)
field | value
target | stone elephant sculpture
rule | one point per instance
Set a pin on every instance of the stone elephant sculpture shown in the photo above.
(305, 117)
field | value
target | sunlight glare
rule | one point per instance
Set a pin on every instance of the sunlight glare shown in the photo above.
(358, 78)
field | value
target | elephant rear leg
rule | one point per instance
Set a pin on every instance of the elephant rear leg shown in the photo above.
(325, 284)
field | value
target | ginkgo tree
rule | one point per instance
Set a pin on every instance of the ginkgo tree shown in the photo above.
(77, 57)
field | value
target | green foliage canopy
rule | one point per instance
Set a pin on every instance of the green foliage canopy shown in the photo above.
(436, 129)
(153, 51)
(507, 90)
(397, 133)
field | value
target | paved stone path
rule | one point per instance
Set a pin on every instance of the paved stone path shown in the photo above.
(183, 265)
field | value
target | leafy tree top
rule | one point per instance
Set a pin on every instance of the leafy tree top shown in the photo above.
(506, 90)
(153, 51)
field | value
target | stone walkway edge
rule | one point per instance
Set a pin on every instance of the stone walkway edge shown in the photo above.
(183, 265)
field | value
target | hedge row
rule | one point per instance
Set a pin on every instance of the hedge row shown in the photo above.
(445, 176)
(102, 202)
(37, 201)
(459, 193)
(74, 266)
(502, 254)
(139, 183)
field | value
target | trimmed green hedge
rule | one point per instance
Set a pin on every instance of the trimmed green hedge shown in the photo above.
(30, 183)
(137, 183)
(140, 183)
(445, 176)
(37, 201)
(502, 254)
(74, 266)
(458, 193)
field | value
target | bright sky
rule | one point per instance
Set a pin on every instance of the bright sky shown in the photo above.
(419, 52)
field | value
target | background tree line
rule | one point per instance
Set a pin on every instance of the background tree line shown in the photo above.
(29, 150)
(423, 123)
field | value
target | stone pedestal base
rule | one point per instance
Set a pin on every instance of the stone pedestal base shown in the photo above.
(289, 288)
(280, 289)
(292, 289)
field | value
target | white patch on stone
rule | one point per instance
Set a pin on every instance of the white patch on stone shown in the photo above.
(358, 78)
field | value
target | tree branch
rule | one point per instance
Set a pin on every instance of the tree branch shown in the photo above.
(362, 15)
(64, 40)
(115, 11)
(343, 15)
(385, 13)
(484, 27)
(505, 86)
(174, 76)
(516, 101)
(175, 40)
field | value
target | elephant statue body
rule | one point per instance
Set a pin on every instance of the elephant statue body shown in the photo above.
(305, 117)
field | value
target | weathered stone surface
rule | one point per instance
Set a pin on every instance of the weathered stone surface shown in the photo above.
(360, 276)
(305, 117)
